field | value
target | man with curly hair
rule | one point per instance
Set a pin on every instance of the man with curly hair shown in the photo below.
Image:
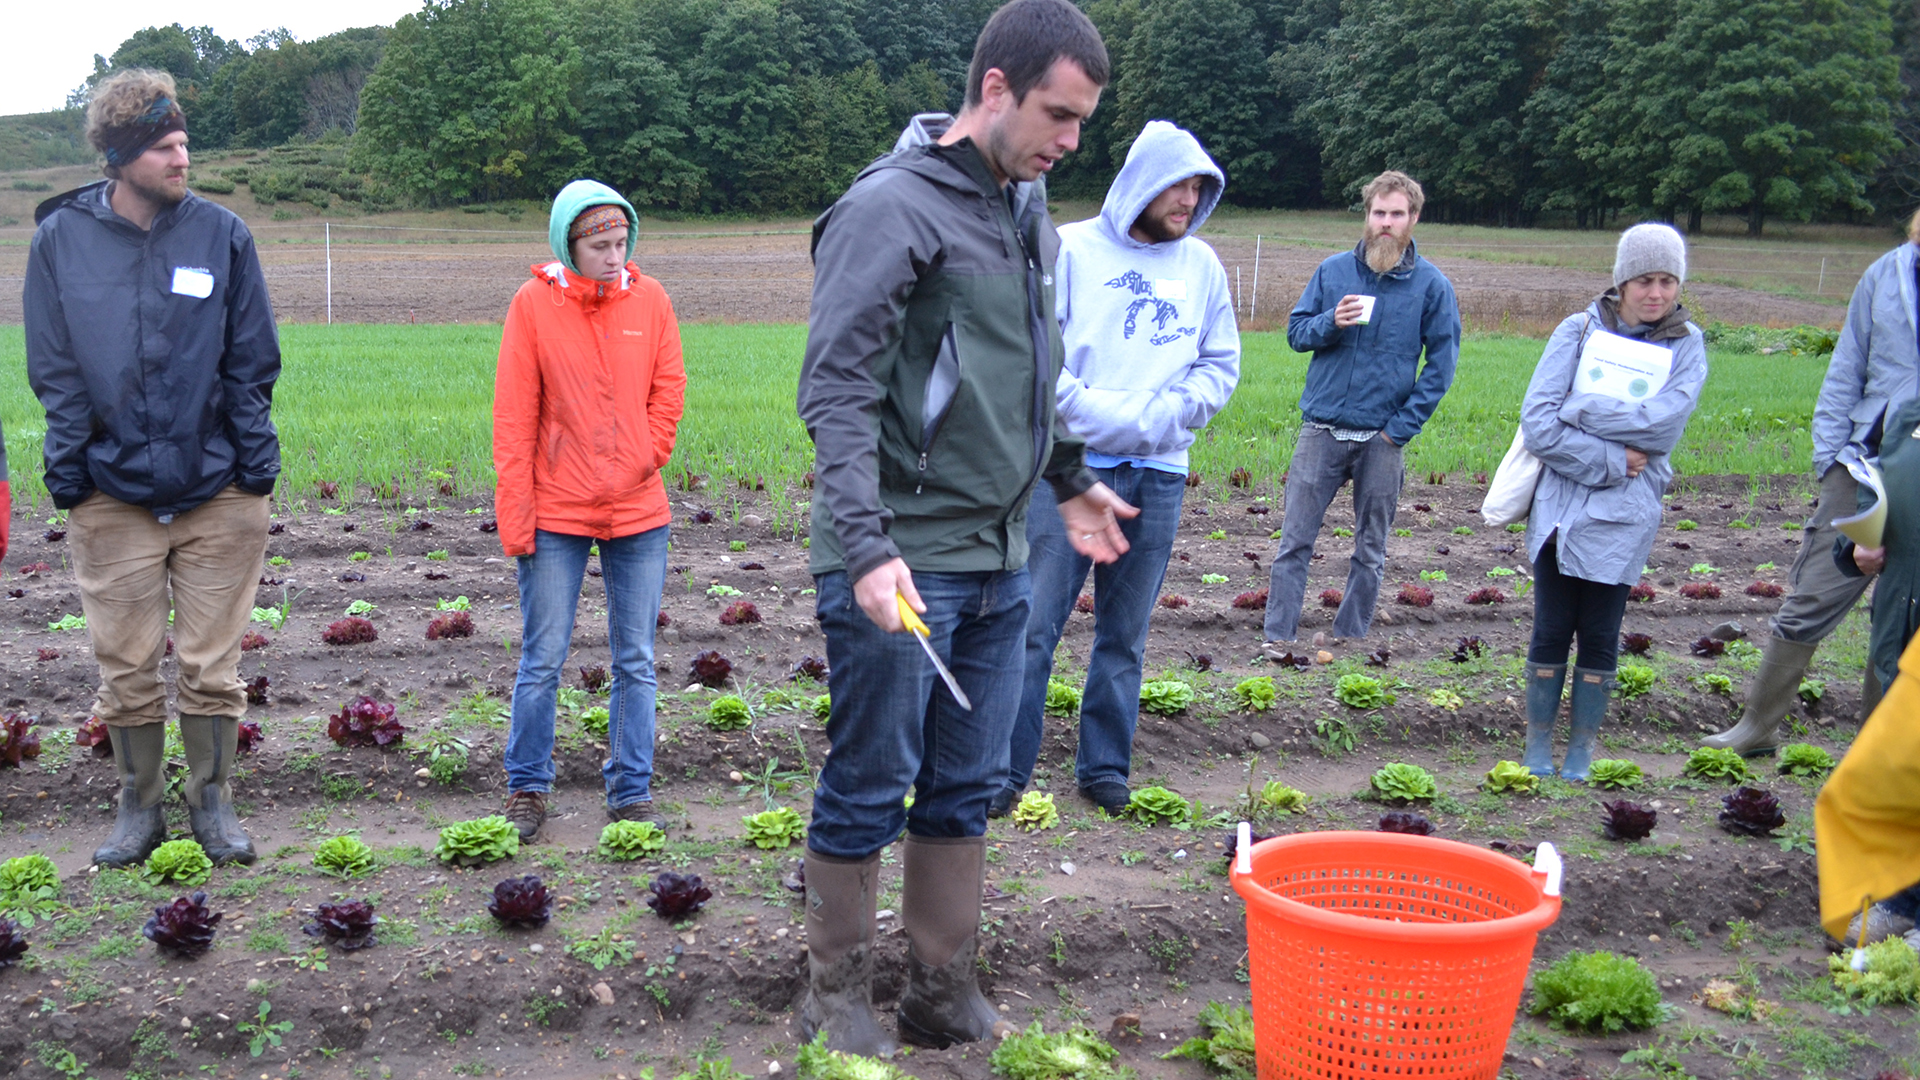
(151, 345)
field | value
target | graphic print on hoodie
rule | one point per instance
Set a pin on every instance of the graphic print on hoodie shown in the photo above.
(1163, 310)
(1153, 350)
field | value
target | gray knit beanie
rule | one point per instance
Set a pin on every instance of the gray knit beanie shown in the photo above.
(1650, 249)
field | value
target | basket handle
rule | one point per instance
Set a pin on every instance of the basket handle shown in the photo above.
(1243, 858)
(1546, 861)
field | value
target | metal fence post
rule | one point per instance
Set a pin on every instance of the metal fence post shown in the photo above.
(1256, 279)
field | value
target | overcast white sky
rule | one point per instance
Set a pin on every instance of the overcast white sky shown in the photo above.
(54, 43)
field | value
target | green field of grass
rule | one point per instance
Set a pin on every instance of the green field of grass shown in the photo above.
(399, 405)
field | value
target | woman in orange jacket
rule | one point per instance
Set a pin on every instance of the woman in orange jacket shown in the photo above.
(587, 400)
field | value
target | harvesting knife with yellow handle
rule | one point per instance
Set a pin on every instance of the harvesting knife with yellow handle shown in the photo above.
(919, 631)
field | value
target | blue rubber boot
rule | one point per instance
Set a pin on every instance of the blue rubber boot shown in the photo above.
(1544, 683)
(1591, 692)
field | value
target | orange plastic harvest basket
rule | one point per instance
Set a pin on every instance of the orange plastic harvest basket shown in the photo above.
(1383, 955)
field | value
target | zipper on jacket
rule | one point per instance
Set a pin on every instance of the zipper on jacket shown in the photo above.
(943, 387)
(1042, 367)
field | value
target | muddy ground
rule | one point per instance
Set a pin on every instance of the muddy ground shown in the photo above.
(1114, 924)
(765, 276)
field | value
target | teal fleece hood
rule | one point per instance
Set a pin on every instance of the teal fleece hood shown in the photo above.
(579, 196)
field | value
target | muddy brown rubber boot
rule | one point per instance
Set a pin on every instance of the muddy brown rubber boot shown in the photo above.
(212, 742)
(1771, 693)
(840, 900)
(940, 909)
(141, 823)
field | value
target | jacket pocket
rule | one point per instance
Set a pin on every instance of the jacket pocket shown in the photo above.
(1867, 417)
(943, 385)
(1631, 503)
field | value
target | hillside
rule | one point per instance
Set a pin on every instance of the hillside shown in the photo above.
(42, 140)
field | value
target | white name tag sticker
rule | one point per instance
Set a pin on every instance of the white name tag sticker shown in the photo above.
(193, 281)
(1169, 289)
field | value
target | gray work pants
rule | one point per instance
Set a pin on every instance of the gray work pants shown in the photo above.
(1321, 464)
(1821, 595)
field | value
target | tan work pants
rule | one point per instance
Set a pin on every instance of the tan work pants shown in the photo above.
(127, 563)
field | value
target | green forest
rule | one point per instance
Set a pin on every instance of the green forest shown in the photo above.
(1513, 112)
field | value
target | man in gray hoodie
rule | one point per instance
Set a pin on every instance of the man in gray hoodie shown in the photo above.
(1872, 372)
(1153, 353)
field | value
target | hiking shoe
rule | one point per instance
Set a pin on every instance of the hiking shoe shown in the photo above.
(527, 811)
(1002, 803)
(1109, 795)
(639, 811)
(1882, 923)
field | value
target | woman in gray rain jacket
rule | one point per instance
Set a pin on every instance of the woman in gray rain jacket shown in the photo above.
(1604, 468)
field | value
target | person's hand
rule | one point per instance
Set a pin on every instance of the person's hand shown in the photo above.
(1870, 560)
(874, 594)
(1389, 440)
(1636, 461)
(1347, 313)
(1093, 526)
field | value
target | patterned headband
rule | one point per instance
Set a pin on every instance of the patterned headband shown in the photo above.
(130, 140)
(597, 219)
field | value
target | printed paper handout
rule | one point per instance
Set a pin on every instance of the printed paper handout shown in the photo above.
(1622, 368)
(1868, 527)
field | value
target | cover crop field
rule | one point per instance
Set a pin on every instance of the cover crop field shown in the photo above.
(1127, 927)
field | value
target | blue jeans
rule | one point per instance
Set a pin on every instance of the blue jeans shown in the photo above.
(634, 569)
(894, 726)
(1321, 465)
(1123, 596)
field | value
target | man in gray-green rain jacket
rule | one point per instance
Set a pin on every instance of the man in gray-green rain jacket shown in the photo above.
(928, 390)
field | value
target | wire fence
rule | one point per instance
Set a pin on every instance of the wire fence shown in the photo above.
(331, 271)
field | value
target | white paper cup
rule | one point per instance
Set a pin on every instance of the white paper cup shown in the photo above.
(1366, 310)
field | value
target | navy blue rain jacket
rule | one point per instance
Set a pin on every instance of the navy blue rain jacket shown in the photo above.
(157, 381)
(1369, 378)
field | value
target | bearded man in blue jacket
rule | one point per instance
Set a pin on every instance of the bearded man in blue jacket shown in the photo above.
(152, 347)
(1367, 316)
(1152, 354)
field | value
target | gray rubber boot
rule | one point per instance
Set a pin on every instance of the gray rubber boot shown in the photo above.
(141, 822)
(212, 742)
(840, 900)
(1587, 709)
(940, 910)
(1544, 683)
(1771, 693)
(1870, 693)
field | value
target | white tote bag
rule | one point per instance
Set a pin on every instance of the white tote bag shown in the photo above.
(1510, 495)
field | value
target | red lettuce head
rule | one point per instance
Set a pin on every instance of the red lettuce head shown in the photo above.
(349, 924)
(522, 901)
(365, 722)
(1751, 811)
(1628, 820)
(184, 928)
(1406, 822)
(676, 896)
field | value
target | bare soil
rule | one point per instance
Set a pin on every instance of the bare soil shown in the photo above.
(745, 277)
(1111, 923)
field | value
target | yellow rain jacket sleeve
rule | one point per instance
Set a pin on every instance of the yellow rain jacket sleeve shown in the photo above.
(1866, 822)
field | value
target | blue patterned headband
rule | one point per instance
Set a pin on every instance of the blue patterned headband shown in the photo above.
(130, 140)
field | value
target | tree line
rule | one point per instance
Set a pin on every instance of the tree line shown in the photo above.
(1508, 111)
